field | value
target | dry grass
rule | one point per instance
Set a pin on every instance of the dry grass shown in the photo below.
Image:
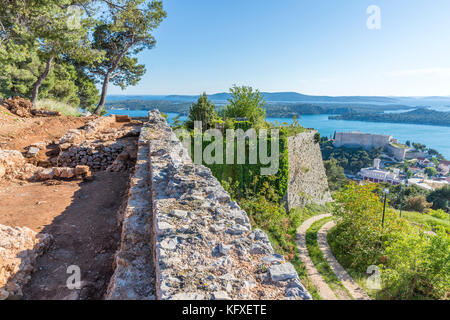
(52, 105)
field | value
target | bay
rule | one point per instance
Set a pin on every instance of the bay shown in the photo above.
(435, 137)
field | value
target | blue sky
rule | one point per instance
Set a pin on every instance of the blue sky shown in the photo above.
(318, 47)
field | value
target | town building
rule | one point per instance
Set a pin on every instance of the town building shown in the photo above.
(377, 175)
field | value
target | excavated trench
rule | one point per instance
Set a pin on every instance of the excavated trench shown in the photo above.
(81, 212)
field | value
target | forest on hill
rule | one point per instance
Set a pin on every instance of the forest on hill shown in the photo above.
(273, 109)
(418, 116)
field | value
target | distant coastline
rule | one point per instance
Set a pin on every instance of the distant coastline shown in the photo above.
(418, 116)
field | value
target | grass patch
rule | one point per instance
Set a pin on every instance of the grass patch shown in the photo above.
(427, 221)
(397, 145)
(319, 260)
(8, 113)
(65, 109)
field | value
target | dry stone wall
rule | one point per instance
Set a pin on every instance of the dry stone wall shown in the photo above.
(96, 145)
(134, 277)
(307, 178)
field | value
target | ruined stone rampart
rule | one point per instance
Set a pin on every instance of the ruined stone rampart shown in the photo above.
(307, 178)
(360, 139)
(203, 246)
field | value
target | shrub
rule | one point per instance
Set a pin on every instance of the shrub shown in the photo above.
(418, 203)
(413, 264)
(316, 137)
(359, 232)
(418, 265)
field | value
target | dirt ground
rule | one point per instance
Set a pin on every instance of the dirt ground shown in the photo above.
(16, 133)
(80, 216)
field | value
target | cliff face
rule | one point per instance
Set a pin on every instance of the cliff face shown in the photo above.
(307, 178)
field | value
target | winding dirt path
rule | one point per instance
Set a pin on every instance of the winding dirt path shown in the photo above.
(322, 287)
(352, 287)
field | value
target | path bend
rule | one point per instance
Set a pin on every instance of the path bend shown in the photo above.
(313, 274)
(352, 287)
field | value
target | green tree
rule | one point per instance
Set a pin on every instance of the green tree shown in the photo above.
(246, 103)
(440, 198)
(203, 110)
(123, 34)
(335, 175)
(431, 172)
(45, 30)
(419, 146)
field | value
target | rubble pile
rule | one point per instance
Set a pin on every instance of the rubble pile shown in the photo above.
(18, 106)
(19, 249)
(14, 166)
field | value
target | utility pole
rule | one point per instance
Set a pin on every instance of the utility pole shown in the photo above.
(402, 195)
(385, 191)
(401, 200)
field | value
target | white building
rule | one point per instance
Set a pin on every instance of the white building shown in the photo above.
(375, 174)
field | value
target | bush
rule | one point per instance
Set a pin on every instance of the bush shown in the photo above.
(414, 264)
(418, 266)
(316, 137)
(418, 204)
(359, 232)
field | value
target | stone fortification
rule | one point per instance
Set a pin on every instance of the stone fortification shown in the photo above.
(307, 178)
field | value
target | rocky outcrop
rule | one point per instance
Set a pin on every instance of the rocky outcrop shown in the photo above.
(19, 248)
(307, 178)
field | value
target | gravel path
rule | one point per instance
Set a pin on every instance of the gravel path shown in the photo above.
(353, 288)
(322, 287)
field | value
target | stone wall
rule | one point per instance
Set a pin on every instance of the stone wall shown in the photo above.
(134, 277)
(398, 153)
(203, 246)
(95, 145)
(307, 178)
